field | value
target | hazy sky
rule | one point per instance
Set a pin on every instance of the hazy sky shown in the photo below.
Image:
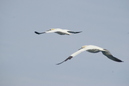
(28, 59)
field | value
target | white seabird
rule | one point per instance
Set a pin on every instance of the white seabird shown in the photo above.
(58, 31)
(92, 49)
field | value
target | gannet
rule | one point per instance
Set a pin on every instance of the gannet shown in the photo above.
(58, 31)
(92, 49)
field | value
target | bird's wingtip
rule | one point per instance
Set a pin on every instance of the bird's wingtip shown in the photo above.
(79, 31)
(39, 32)
(74, 32)
(65, 60)
(120, 61)
(116, 59)
(36, 32)
(60, 63)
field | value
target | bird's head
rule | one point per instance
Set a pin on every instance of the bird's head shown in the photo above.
(83, 47)
(52, 29)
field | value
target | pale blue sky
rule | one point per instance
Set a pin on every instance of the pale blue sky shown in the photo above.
(28, 59)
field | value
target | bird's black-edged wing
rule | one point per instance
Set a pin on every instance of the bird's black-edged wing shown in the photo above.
(110, 56)
(65, 60)
(39, 32)
(74, 32)
(72, 55)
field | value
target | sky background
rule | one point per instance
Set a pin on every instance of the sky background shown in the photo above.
(28, 59)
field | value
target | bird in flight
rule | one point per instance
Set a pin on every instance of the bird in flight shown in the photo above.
(59, 31)
(92, 49)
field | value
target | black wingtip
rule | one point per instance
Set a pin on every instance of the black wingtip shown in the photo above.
(78, 32)
(60, 63)
(65, 60)
(118, 60)
(74, 32)
(110, 56)
(37, 32)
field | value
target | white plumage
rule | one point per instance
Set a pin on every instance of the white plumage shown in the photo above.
(58, 31)
(92, 49)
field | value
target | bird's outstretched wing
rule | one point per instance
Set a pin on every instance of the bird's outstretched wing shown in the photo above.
(39, 32)
(65, 60)
(110, 56)
(74, 32)
(71, 56)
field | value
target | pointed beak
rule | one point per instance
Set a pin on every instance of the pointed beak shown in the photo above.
(48, 30)
(80, 48)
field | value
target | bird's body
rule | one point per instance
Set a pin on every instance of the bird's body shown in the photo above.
(92, 49)
(58, 31)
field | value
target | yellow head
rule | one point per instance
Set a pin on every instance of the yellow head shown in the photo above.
(52, 29)
(84, 46)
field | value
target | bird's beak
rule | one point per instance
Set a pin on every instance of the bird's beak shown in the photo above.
(80, 48)
(49, 30)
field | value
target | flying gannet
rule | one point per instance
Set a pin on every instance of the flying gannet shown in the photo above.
(58, 31)
(92, 49)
